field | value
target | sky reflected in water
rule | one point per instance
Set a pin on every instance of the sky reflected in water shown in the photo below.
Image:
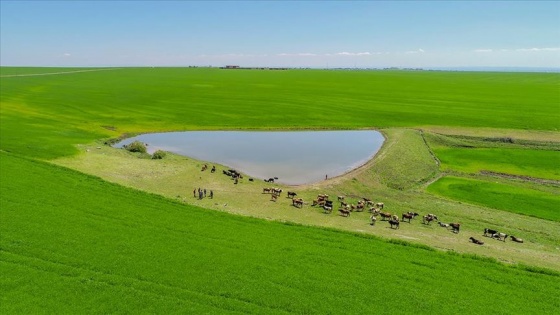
(295, 157)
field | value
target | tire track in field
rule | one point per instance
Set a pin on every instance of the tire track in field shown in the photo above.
(55, 73)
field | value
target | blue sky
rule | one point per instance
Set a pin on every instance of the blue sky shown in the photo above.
(281, 33)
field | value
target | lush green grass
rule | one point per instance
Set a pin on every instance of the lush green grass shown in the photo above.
(54, 112)
(79, 244)
(500, 196)
(73, 243)
(502, 155)
(521, 162)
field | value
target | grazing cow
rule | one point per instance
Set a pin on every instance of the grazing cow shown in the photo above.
(343, 204)
(213, 169)
(372, 220)
(394, 223)
(409, 216)
(291, 194)
(385, 215)
(273, 197)
(445, 225)
(344, 212)
(328, 209)
(455, 227)
(379, 205)
(474, 240)
(428, 218)
(266, 190)
(317, 202)
(395, 217)
(276, 191)
(340, 198)
(297, 202)
(489, 232)
(270, 180)
(516, 239)
(500, 236)
(360, 207)
(322, 196)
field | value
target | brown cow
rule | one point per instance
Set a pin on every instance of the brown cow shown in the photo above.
(455, 227)
(516, 239)
(385, 215)
(344, 212)
(409, 216)
(474, 240)
(297, 202)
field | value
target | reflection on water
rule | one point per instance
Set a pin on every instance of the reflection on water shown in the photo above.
(295, 157)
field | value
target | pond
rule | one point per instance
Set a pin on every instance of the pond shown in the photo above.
(294, 157)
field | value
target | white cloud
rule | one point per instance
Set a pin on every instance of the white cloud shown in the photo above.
(66, 54)
(345, 53)
(298, 54)
(539, 49)
(418, 51)
(534, 49)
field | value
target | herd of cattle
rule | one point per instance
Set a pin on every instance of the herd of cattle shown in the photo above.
(376, 210)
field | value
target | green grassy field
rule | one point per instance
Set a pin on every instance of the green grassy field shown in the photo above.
(518, 157)
(80, 244)
(75, 243)
(55, 112)
(500, 196)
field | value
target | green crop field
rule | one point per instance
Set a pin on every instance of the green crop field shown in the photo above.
(473, 155)
(80, 244)
(86, 228)
(500, 196)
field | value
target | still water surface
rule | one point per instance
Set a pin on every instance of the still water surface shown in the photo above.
(295, 157)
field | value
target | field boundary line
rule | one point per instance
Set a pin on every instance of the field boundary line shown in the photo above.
(55, 73)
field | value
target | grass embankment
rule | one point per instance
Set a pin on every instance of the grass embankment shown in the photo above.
(80, 244)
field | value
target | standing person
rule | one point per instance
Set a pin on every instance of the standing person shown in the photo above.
(204, 192)
(211, 194)
(194, 192)
(326, 177)
(200, 194)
